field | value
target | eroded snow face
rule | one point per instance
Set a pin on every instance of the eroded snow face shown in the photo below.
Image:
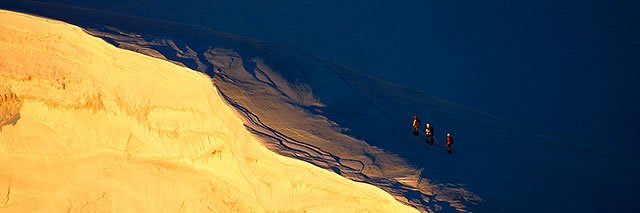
(105, 129)
(9, 106)
(275, 90)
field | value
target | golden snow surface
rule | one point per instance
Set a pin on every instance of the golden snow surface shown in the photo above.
(85, 126)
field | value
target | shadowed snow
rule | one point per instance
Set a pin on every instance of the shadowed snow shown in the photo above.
(358, 126)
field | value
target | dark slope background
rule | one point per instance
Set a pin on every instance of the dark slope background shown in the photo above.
(566, 68)
(511, 168)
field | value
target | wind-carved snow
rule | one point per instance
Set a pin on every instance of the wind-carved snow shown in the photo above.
(281, 107)
(10, 108)
(109, 130)
(512, 168)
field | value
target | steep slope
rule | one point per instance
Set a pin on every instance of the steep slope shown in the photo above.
(357, 126)
(272, 87)
(90, 127)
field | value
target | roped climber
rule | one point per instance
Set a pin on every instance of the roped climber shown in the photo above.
(449, 142)
(416, 125)
(428, 131)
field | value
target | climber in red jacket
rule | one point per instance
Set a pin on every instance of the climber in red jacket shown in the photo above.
(416, 125)
(449, 142)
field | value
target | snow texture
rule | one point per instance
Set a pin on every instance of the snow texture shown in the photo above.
(102, 129)
(358, 126)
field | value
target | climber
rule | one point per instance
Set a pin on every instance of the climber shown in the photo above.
(416, 125)
(429, 133)
(449, 142)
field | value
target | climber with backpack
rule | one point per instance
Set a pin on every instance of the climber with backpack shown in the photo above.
(416, 125)
(429, 133)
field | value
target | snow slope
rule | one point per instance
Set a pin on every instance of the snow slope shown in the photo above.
(86, 126)
(279, 111)
(357, 126)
